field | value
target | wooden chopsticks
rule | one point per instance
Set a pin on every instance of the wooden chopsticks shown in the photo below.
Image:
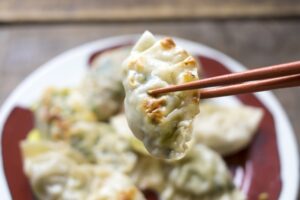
(260, 79)
(253, 86)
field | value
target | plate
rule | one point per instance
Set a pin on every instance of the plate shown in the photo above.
(269, 165)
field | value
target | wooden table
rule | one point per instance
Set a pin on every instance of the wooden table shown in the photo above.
(13, 11)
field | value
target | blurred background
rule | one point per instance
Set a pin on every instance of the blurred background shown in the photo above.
(254, 32)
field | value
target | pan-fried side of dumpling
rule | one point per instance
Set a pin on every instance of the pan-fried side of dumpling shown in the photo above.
(226, 129)
(163, 123)
(58, 109)
(102, 85)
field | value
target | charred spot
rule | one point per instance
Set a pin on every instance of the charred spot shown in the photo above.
(139, 66)
(183, 53)
(190, 61)
(53, 117)
(188, 76)
(131, 64)
(152, 109)
(136, 65)
(152, 105)
(167, 43)
(155, 117)
(63, 127)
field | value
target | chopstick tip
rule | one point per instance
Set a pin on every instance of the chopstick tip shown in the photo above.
(155, 92)
(149, 92)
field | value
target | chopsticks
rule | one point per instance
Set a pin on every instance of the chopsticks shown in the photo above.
(252, 86)
(255, 80)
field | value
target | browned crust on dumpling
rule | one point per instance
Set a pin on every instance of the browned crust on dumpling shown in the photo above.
(190, 62)
(152, 109)
(136, 65)
(167, 43)
(188, 77)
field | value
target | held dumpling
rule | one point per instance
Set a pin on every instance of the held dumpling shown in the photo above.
(226, 129)
(162, 123)
(119, 123)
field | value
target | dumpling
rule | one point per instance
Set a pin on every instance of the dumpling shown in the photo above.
(150, 174)
(119, 123)
(102, 85)
(113, 186)
(100, 144)
(233, 194)
(115, 152)
(226, 129)
(58, 109)
(163, 123)
(56, 171)
(199, 173)
(62, 115)
(47, 164)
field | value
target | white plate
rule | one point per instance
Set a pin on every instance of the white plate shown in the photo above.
(68, 68)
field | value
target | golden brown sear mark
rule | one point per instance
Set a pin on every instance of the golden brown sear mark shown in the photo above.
(167, 43)
(189, 62)
(152, 109)
(136, 65)
(188, 77)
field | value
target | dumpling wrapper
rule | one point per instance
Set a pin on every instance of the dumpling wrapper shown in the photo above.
(119, 123)
(162, 123)
(102, 85)
(57, 171)
(226, 129)
(233, 194)
(150, 174)
(99, 143)
(58, 109)
(200, 173)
